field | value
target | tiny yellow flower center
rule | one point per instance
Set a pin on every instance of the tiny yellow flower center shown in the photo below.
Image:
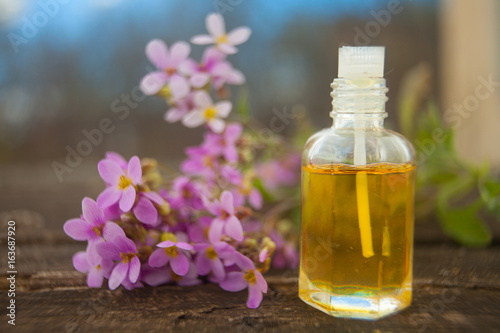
(207, 161)
(168, 236)
(250, 277)
(223, 214)
(210, 113)
(126, 257)
(171, 251)
(165, 92)
(211, 254)
(97, 231)
(222, 39)
(124, 182)
(98, 267)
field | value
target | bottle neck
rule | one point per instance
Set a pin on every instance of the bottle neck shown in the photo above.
(358, 103)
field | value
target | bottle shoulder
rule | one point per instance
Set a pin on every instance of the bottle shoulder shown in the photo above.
(332, 145)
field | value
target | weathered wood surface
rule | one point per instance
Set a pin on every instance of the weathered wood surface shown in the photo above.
(455, 290)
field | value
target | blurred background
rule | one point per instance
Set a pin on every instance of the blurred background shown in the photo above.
(65, 64)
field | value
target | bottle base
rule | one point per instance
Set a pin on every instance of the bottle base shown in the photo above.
(357, 303)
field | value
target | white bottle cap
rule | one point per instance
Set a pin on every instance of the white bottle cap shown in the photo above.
(364, 61)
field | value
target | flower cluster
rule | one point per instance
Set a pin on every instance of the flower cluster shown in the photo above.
(205, 223)
(184, 82)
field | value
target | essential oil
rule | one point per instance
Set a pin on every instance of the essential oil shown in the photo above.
(357, 201)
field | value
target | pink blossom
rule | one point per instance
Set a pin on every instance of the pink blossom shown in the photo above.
(122, 184)
(122, 249)
(224, 144)
(96, 267)
(249, 278)
(168, 62)
(206, 111)
(174, 252)
(208, 259)
(92, 226)
(217, 35)
(225, 221)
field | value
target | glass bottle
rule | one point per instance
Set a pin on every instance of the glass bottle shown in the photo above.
(357, 200)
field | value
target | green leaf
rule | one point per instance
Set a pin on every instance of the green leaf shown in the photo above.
(265, 194)
(490, 193)
(463, 225)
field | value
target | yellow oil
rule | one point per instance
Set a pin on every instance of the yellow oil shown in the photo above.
(357, 238)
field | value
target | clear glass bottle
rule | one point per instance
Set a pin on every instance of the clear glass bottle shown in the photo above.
(357, 206)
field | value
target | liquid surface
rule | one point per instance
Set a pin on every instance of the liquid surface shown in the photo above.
(357, 238)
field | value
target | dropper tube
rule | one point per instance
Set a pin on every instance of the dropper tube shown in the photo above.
(361, 64)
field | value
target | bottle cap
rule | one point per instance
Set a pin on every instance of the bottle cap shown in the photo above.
(364, 61)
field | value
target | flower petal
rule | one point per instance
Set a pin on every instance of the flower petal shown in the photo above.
(109, 197)
(110, 171)
(166, 244)
(203, 264)
(157, 53)
(234, 282)
(108, 250)
(193, 119)
(135, 269)
(239, 35)
(199, 80)
(227, 48)
(184, 246)
(261, 282)
(118, 275)
(95, 278)
(80, 262)
(128, 198)
(235, 77)
(145, 211)
(158, 258)
(174, 114)
(91, 213)
(223, 108)
(226, 202)
(134, 170)
(255, 199)
(215, 231)
(125, 244)
(78, 229)
(155, 276)
(254, 296)
(179, 53)
(233, 132)
(153, 82)
(243, 262)
(154, 197)
(179, 87)
(202, 99)
(218, 269)
(215, 24)
(112, 230)
(233, 228)
(179, 264)
(202, 39)
(216, 125)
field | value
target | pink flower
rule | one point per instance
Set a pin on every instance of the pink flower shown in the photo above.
(121, 183)
(224, 144)
(92, 226)
(180, 108)
(213, 67)
(217, 30)
(205, 111)
(121, 249)
(225, 222)
(208, 259)
(171, 251)
(199, 162)
(249, 278)
(145, 209)
(168, 62)
(96, 267)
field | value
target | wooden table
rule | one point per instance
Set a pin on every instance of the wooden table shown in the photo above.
(455, 289)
